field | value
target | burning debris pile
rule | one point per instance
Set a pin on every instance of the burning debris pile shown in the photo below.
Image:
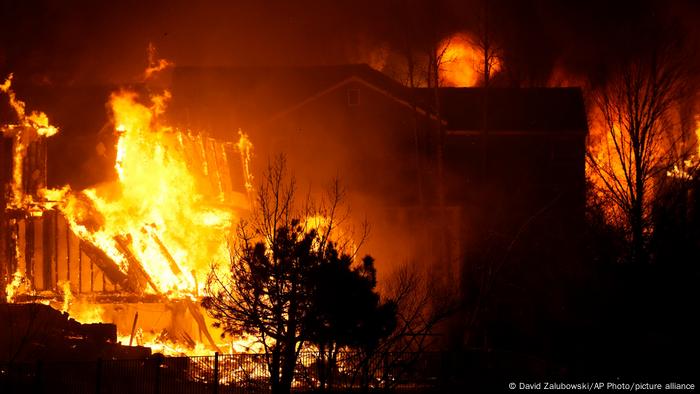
(34, 331)
(149, 236)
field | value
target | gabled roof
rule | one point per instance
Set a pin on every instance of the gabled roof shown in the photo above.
(255, 95)
(530, 110)
(263, 93)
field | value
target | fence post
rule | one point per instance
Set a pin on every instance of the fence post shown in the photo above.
(385, 370)
(98, 376)
(216, 373)
(37, 377)
(158, 361)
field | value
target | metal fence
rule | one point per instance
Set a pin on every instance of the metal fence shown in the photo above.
(222, 374)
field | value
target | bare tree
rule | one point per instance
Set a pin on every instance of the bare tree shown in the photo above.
(639, 142)
(261, 293)
(270, 287)
(483, 39)
(422, 303)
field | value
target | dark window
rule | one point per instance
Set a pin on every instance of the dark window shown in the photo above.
(353, 97)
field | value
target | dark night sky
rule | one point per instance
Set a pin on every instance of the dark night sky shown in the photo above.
(68, 42)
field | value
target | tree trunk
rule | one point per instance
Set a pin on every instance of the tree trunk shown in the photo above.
(289, 362)
(637, 220)
(275, 371)
(637, 224)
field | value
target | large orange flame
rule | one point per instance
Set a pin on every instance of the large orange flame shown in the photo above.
(462, 61)
(156, 207)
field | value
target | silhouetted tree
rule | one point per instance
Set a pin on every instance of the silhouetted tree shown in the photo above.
(421, 303)
(640, 141)
(346, 311)
(287, 283)
(483, 39)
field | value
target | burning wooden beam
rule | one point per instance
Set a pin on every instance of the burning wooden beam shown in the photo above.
(199, 319)
(108, 266)
(134, 263)
(194, 310)
(166, 253)
(136, 271)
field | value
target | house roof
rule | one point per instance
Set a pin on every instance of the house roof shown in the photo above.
(254, 95)
(510, 109)
(257, 94)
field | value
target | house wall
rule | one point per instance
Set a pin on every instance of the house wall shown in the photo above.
(371, 147)
(525, 208)
(523, 222)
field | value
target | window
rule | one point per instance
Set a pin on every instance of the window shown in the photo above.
(353, 97)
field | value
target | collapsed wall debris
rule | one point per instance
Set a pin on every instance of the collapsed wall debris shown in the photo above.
(35, 331)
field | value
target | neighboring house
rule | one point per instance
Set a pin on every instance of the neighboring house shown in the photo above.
(515, 163)
(356, 122)
(350, 122)
(512, 164)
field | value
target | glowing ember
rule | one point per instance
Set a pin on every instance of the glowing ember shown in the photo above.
(85, 312)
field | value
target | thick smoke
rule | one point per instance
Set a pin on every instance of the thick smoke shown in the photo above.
(49, 42)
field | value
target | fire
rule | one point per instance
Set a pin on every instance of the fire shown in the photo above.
(338, 232)
(28, 129)
(67, 296)
(12, 288)
(602, 149)
(155, 65)
(156, 210)
(697, 134)
(245, 147)
(84, 312)
(686, 169)
(243, 344)
(160, 224)
(462, 61)
(608, 141)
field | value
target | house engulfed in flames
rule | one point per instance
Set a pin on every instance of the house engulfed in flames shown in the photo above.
(143, 241)
(133, 251)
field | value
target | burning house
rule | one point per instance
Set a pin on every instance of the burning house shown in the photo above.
(114, 253)
(436, 185)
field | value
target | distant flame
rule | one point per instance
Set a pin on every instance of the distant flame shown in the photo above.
(462, 61)
(689, 166)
